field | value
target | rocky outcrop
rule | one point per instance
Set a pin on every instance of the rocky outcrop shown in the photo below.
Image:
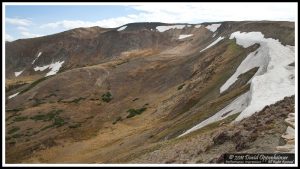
(288, 136)
(260, 133)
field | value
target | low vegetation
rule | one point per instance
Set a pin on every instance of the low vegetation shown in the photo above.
(13, 130)
(53, 116)
(17, 135)
(14, 110)
(78, 100)
(20, 118)
(180, 87)
(117, 119)
(75, 125)
(11, 87)
(135, 99)
(46, 117)
(34, 84)
(134, 112)
(107, 97)
(13, 115)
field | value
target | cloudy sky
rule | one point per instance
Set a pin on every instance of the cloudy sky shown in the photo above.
(32, 20)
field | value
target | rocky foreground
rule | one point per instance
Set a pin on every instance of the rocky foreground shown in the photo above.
(261, 133)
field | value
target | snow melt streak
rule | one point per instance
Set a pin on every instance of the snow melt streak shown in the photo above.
(212, 44)
(14, 95)
(184, 36)
(234, 107)
(18, 73)
(122, 28)
(39, 54)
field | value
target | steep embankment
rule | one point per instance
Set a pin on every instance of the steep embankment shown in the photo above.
(260, 133)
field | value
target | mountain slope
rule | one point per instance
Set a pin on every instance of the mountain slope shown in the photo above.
(94, 95)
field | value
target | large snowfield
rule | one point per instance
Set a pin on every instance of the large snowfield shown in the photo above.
(273, 81)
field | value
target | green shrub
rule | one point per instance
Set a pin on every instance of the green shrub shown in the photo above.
(78, 99)
(75, 125)
(180, 87)
(21, 118)
(107, 97)
(135, 99)
(17, 135)
(58, 121)
(134, 112)
(13, 115)
(13, 130)
(14, 86)
(117, 119)
(46, 117)
(34, 84)
(14, 110)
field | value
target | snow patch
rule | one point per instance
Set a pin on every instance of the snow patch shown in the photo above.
(274, 79)
(165, 28)
(213, 27)
(18, 73)
(39, 54)
(14, 95)
(122, 28)
(197, 26)
(234, 107)
(41, 68)
(213, 43)
(184, 36)
(53, 66)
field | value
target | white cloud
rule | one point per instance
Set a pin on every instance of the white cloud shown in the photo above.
(9, 37)
(17, 21)
(22, 28)
(168, 13)
(70, 24)
(190, 13)
(29, 35)
(195, 12)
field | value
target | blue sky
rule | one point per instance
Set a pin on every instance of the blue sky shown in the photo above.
(27, 20)
(44, 14)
